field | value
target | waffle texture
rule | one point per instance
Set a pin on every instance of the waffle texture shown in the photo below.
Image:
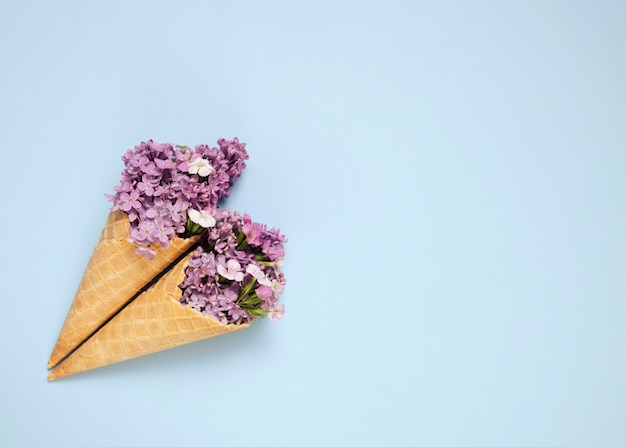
(154, 321)
(114, 274)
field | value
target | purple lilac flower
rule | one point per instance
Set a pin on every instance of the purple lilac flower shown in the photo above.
(227, 299)
(148, 253)
(232, 280)
(237, 314)
(129, 201)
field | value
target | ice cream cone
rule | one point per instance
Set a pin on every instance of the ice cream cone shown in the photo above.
(154, 321)
(114, 274)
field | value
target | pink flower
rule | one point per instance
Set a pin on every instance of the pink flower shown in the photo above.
(264, 292)
(273, 250)
(277, 313)
(252, 230)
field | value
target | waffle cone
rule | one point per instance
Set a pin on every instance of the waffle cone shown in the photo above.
(114, 274)
(154, 321)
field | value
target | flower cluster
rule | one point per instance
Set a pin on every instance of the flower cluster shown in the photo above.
(162, 185)
(234, 275)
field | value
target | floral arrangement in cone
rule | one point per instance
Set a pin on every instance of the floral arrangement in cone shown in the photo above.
(162, 184)
(166, 246)
(171, 192)
(234, 275)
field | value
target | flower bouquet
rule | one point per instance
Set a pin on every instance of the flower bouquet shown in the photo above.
(230, 279)
(166, 200)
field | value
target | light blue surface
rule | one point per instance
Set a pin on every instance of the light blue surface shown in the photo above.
(451, 179)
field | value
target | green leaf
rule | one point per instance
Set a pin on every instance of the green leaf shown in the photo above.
(193, 228)
(251, 301)
(248, 287)
(241, 240)
(257, 312)
(241, 236)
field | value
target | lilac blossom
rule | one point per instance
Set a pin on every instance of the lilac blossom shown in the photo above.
(129, 201)
(227, 299)
(236, 314)
(146, 252)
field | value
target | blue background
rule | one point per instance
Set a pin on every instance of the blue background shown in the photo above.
(451, 179)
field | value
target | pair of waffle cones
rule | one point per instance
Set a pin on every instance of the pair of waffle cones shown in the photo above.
(110, 321)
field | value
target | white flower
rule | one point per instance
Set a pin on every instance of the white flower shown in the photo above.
(200, 166)
(276, 287)
(232, 270)
(255, 271)
(202, 218)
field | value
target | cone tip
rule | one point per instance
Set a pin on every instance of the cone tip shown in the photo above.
(58, 373)
(54, 359)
